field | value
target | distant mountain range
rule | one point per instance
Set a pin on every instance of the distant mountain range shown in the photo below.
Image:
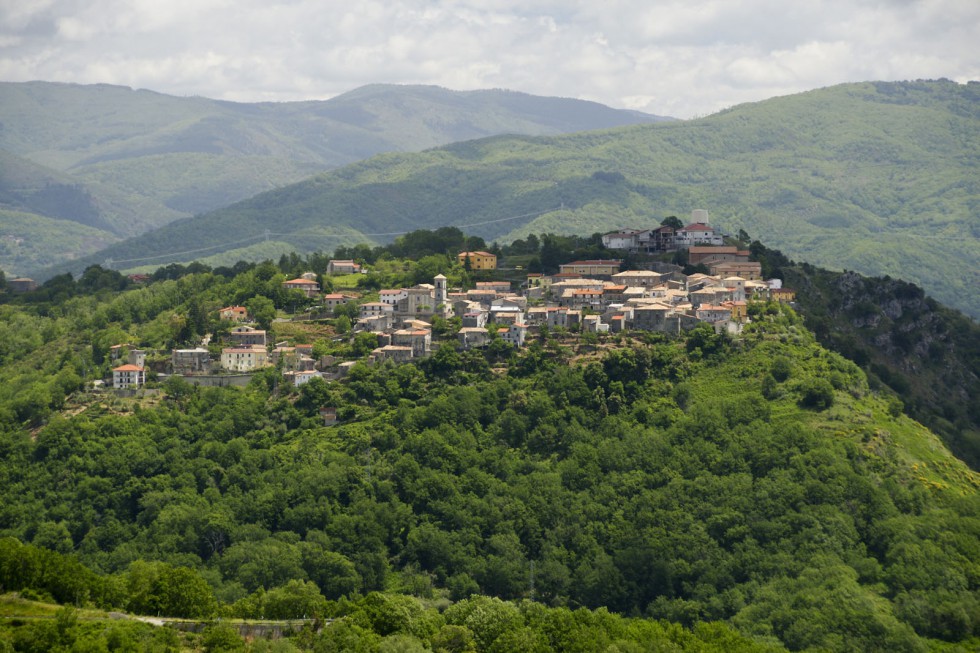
(85, 166)
(880, 178)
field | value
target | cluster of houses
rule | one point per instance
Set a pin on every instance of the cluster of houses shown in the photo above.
(666, 238)
(247, 350)
(589, 296)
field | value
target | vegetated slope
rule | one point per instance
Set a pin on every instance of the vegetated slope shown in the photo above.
(875, 177)
(148, 158)
(928, 354)
(31, 188)
(758, 481)
(301, 619)
(26, 238)
(46, 215)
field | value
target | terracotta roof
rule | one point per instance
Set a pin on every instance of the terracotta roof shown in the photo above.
(596, 262)
(128, 368)
(698, 226)
(713, 249)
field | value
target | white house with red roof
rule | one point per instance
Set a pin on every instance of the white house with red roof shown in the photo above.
(333, 300)
(514, 334)
(128, 376)
(699, 232)
(392, 296)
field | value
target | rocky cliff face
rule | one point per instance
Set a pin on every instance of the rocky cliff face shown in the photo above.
(927, 354)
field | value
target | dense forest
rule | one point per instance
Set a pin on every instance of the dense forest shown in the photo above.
(628, 493)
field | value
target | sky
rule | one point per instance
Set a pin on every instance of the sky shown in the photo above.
(681, 58)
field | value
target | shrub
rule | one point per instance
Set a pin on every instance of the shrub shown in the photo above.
(781, 369)
(817, 393)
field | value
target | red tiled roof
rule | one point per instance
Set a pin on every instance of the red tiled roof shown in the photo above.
(713, 249)
(596, 262)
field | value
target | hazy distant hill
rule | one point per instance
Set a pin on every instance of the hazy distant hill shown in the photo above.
(875, 177)
(126, 161)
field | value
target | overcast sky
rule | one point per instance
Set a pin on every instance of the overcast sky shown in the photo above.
(683, 58)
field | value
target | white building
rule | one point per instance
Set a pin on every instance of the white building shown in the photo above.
(699, 232)
(625, 239)
(244, 359)
(128, 376)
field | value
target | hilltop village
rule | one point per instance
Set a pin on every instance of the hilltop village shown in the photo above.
(595, 296)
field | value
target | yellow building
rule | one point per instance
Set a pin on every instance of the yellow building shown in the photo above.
(783, 294)
(593, 268)
(479, 260)
(739, 310)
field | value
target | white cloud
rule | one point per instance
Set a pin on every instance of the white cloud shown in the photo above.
(672, 57)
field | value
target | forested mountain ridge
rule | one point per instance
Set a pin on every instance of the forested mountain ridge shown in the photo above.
(925, 352)
(757, 480)
(874, 177)
(134, 160)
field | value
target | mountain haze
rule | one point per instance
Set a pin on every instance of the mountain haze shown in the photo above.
(124, 161)
(874, 177)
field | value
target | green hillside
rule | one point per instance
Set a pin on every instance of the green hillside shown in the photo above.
(27, 237)
(875, 177)
(758, 481)
(928, 354)
(128, 161)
